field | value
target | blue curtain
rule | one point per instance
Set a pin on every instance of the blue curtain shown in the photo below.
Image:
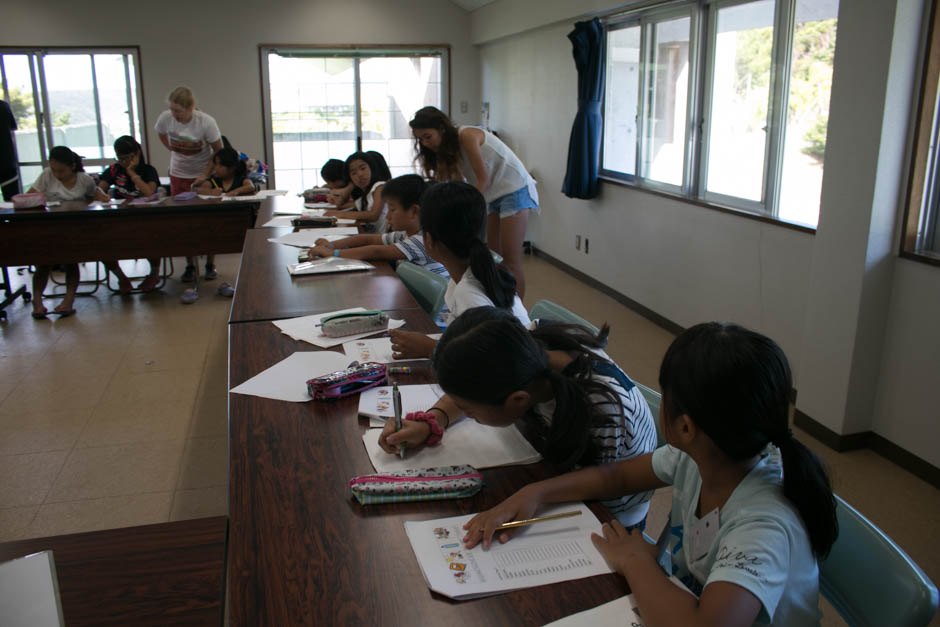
(584, 147)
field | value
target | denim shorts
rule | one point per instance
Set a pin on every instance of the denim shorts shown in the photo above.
(511, 204)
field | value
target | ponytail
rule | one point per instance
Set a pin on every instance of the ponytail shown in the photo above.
(735, 385)
(498, 282)
(486, 354)
(63, 154)
(229, 158)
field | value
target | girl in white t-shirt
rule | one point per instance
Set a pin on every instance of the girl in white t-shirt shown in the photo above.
(192, 137)
(450, 153)
(63, 180)
(368, 178)
(752, 507)
(452, 218)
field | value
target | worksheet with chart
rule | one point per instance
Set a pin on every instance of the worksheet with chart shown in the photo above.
(543, 553)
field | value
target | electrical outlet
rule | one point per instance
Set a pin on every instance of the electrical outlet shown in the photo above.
(587, 242)
(577, 242)
(463, 106)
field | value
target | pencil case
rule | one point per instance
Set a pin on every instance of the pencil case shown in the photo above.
(29, 201)
(351, 323)
(314, 221)
(343, 383)
(417, 484)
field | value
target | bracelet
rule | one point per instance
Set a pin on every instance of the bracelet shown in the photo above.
(437, 434)
(444, 413)
(336, 252)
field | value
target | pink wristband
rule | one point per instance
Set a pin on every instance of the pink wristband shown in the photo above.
(437, 433)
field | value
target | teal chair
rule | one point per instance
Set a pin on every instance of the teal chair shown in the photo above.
(427, 287)
(653, 399)
(870, 580)
(547, 310)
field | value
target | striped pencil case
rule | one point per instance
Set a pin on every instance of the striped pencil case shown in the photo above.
(419, 484)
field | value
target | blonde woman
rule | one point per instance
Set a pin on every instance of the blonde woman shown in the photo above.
(192, 137)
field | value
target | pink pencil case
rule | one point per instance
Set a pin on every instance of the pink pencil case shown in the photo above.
(29, 201)
(343, 383)
(417, 484)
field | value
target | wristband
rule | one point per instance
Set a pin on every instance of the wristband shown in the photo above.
(437, 433)
(336, 252)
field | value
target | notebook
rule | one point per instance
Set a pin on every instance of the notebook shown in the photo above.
(327, 265)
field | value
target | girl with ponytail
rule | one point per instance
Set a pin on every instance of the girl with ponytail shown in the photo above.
(453, 216)
(752, 507)
(575, 405)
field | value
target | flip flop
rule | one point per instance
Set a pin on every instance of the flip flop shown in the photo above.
(39, 315)
(65, 313)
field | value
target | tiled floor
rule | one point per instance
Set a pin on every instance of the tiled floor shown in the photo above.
(117, 416)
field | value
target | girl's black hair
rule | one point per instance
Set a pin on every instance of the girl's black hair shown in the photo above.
(406, 189)
(376, 172)
(455, 214)
(127, 145)
(443, 164)
(334, 170)
(63, 154)
(378, 161)
(486, 354)
(735, 385)
(230, 158)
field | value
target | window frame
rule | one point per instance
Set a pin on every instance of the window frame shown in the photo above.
(925, 151)
(45, 130)
(702, 41)
(355, 51)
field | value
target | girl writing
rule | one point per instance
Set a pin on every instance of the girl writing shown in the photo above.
(447, 152)
(229, 176)
(64, 179)
(572, 401)
(367, 179)
(131, 177)
(752, 507)
(452, 218)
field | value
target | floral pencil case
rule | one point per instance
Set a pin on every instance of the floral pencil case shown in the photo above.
(419, 484)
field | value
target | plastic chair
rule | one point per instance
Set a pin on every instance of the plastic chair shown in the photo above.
(870, 580)
(547, 310)
(427, 287)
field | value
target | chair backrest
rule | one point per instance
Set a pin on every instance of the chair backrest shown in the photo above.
(870, 580)
(654, 400)
(547, 310)
(427, 287)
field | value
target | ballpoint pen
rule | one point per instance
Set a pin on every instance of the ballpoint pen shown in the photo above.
(396, 400)
(532, 521)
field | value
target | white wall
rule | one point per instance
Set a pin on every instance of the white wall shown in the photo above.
(824, 298)
(212, 46)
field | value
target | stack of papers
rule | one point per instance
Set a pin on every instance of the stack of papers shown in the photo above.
(465, 442)
(287, 380)
(328, 265)
(376, 403)
(544, 553)
(305, 329)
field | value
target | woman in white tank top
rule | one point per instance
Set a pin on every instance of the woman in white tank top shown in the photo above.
(448, 153)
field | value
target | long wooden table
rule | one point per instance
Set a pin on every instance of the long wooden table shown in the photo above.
(78, 231)
(265, 290)
(164, 574)
(303, 552)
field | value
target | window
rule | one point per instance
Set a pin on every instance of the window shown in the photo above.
(694, 107)
(327, 103)
(80, 98)
(921, 237)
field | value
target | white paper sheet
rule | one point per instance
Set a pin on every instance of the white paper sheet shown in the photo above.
(617, 613)
(267, 193)
(307, 238)
(287, 380)
(376, 403)
(544, 553)
(378, 349)
(29, 592)
(284, 208)
(6, 205)
(305, 329)
(319, 205)
(328, 265)
(465, 442)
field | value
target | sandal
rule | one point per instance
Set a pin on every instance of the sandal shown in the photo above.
(40, 315)
(63, 313)
(149, 283)
(189, 296)
(226, 289)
